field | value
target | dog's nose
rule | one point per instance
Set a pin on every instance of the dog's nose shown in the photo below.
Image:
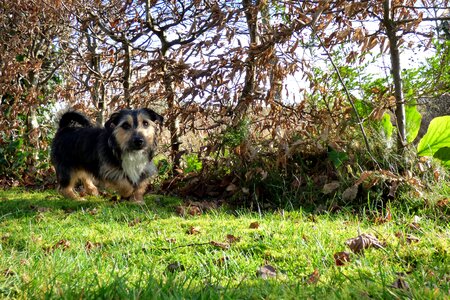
(138, 142)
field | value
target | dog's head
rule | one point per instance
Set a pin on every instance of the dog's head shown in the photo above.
(134, 130)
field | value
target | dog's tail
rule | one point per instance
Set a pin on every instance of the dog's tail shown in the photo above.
(73, 119)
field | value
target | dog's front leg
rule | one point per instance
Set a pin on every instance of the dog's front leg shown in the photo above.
(139, 191)
(124, 188)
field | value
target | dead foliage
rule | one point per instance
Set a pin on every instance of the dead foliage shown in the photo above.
(61, 244)
(175, 267)
(234, 130)
(224, 246)
(362, 242)
(193, 230)
(90, 246)
(314, 277)
(266, 272)
(254, 225)
(341, 258)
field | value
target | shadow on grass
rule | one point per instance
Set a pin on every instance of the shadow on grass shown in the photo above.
(19, 203)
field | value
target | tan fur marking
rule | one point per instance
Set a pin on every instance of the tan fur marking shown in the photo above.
(123, 187)
(89, 186)
(138, 195)
(149, 133)
(68, 191)
(122, 135)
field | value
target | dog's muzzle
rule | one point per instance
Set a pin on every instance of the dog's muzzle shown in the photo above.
(137, 143)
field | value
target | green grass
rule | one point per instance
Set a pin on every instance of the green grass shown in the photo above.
(130, 248)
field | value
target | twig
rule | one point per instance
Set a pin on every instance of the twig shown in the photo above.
(182, 246)
(349, 98)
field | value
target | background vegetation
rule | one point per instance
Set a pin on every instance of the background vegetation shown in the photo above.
(309, 140)
(267, 103)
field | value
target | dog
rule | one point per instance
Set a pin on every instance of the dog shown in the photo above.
(118, 155)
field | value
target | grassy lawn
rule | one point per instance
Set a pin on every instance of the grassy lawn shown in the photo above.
(97, 249)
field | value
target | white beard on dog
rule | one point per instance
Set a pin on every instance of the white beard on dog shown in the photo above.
(135, 163)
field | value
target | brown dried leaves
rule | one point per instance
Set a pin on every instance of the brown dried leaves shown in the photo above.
(362, 242)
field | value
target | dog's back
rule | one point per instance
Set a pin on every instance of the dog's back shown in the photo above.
(73, 119)
(75, 145)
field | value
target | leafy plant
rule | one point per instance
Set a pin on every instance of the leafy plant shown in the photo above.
(413, 120)
(436, 142)
(193, 164)
(387, 126)
(234, 136)
(337, 157)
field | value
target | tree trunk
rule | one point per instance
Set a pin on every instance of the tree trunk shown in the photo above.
(251, 15)
(172, 122)
(391, 31)
(34, 132)
(127, 74)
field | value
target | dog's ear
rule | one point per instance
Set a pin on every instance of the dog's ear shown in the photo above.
(112, 121)
(157, 118)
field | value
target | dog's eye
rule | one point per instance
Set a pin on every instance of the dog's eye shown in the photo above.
(145, 123)
(126, 126)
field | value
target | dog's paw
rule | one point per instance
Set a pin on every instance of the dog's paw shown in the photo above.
(138, 202)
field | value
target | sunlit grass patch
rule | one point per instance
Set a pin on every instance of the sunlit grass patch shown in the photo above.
(58, 248)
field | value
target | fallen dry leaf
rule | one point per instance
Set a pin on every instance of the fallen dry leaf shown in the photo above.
(39, 208)
(363, 241)
(254, 225)
(181, 210)
(224, 246)
(393, 189)
(414, 226)
(62, 244)
(232, 239)
(350, 193)
(341, 258)
(93, 211)
(175, 266)
(411, 239)
(408, 238)
(266, 271)
(305, 238)
(314, 277)
(437, 175)
(134, 222)
(192, 210)
(400, 283)
(89, 246)
(399, 234)
(65, 244)
(443, 202)
(330, 187)
(8, 272)
(222, 261)
(193, 230)
(231, 188)
(384, 219)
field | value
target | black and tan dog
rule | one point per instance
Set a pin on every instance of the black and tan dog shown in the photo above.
(118, 155)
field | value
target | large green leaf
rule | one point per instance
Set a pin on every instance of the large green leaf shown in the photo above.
(413, 120)
(437, 137)
(443, 154)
